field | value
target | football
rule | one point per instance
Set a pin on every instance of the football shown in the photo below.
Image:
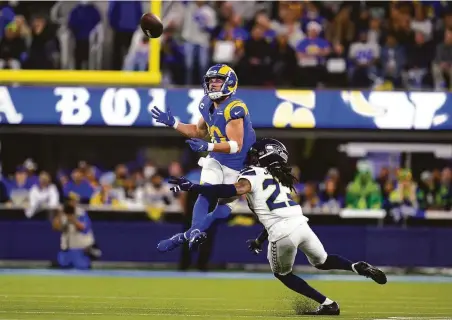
(151, 25)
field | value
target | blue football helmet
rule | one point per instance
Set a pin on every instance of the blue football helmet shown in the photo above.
(224, 72)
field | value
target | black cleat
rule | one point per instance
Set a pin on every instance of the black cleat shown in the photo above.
(325, 310)
(368, 271)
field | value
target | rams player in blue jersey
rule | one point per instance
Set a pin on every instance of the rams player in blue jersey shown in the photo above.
(227, 122)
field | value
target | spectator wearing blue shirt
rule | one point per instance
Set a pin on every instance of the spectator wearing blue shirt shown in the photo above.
(78, 188)
(124, 17)
(363, 56)
(18, 188)
(83, 18)
(6, 17)
(311, 53)
(393, 60)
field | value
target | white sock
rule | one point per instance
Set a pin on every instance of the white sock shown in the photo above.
(327, 302)
(353, 268)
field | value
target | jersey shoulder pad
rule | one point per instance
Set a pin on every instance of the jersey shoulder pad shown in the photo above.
(248, 171)
(235, 109)
(205, 103)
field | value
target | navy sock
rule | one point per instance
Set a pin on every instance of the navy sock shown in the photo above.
(222, 211)
(201, 209)
(297, 284)
(334, 261)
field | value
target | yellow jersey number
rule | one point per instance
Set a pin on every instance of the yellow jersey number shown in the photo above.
(215, 135)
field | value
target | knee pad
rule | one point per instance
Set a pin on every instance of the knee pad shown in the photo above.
(322, 265)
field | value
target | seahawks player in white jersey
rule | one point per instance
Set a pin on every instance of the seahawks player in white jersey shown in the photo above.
(267, 183)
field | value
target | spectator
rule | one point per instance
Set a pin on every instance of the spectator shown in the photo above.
(6, 17)
(403, 199)
(149, 169)
(290, 25)
(78, 188)
(446, 188)
(106, 195)
(129, 196)
(229, 46)
(198, 23)
(285, 62)
(256, 66)
(137, 59)
(31, 167)
(392, 61)
(312, 14)
(42, 196)
(138, 178)
(155, 192)
(336, 67)
(442, 65)
(83, 18)
(175, 169)
(429, 193)
(363, 192)
(420, 23)
(363, 57)
(172, 55)
(18, 189)
(44, 48)
(91, 177)
(419, 59)
(77, 244)
(331, 200)
(375, 34)
(342, 30)
(12, 48)
(382, 179)
(311, 53)
(121, 174)
(309, 200)
(124, 17)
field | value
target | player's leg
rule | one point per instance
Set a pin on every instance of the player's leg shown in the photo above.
(281, 255)
(317, 256)
(223, 210)
(211, 173)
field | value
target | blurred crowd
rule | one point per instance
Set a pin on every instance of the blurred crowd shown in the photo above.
(398, 44)
(379, 44)
(144, 187)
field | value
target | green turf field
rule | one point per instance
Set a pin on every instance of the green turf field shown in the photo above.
(76, 298)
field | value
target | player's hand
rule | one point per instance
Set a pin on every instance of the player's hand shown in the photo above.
(254, 246)
(163, 117)
(182, 184)
(198, 145)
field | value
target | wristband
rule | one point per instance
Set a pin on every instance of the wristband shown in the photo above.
(210, 147)
(176, 123)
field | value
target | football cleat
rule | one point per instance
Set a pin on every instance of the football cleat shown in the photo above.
(368, 271)
(196, 239)
(171, 243)
(325, 310)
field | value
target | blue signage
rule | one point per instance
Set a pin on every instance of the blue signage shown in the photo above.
(65, 106)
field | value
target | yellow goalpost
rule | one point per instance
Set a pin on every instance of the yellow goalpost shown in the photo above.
(95, 77)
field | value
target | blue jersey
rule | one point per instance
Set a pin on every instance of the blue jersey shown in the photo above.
(218, 118)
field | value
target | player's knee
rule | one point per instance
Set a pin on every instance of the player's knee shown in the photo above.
(318, 260)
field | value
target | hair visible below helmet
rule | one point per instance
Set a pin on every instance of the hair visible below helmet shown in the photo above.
(272, 155)
(224, 72)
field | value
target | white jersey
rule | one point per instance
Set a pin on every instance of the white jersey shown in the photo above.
(272, 204)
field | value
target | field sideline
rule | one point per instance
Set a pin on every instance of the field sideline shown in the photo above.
(132, 295)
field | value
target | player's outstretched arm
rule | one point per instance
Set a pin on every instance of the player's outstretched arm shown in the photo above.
(189, 130)
(243, 186)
